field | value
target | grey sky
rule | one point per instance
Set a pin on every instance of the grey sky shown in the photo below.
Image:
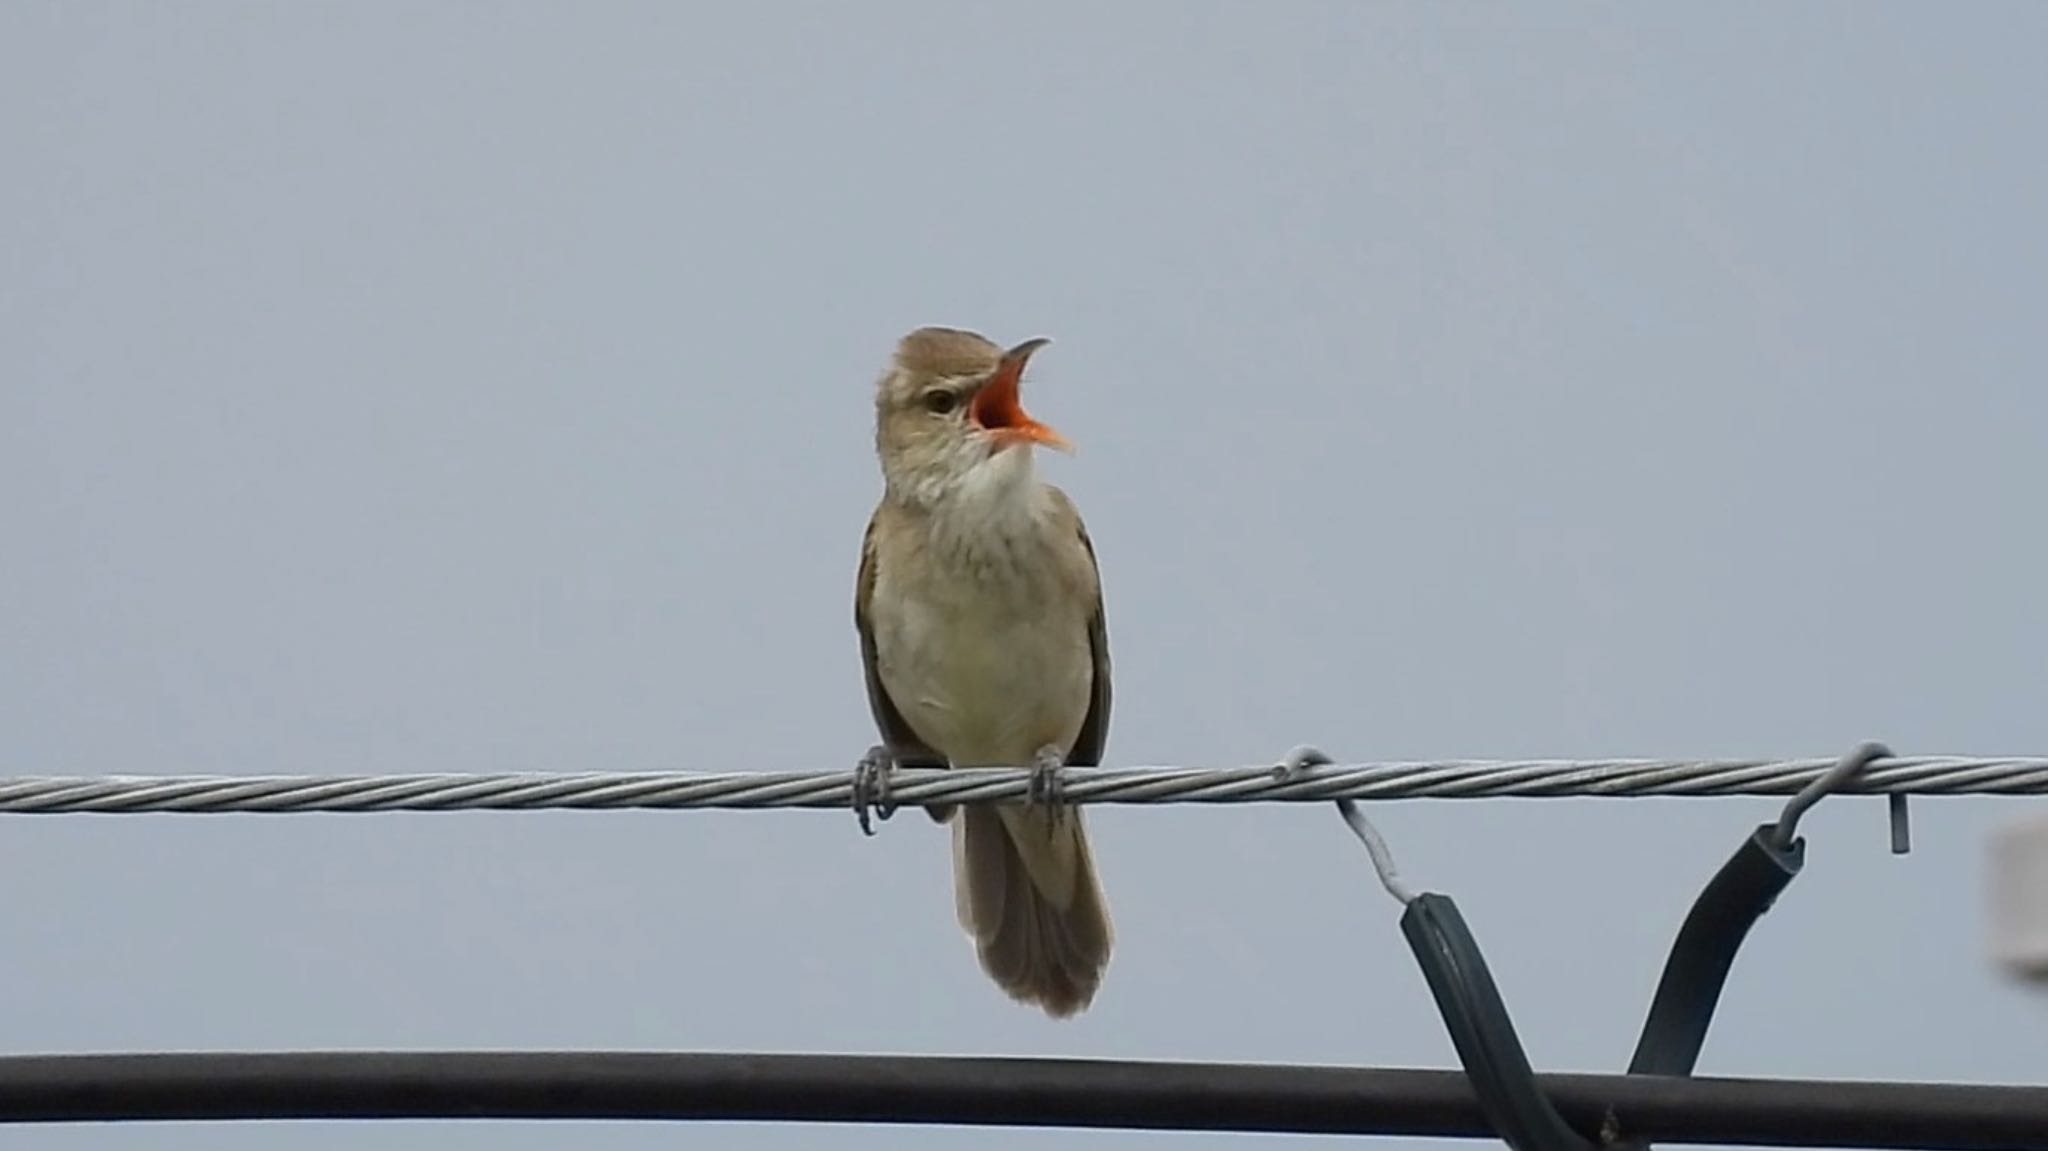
(487, 386)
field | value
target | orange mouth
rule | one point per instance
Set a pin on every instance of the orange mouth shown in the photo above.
(997, 409)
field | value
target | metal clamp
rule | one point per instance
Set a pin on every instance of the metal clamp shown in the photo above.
(1733, 900)
(1466, 997)
(1687, 994)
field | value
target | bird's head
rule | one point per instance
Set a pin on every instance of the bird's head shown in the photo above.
(948, 417)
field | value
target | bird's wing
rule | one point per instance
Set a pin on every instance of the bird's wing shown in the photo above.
(1094, 734)
(903, 743)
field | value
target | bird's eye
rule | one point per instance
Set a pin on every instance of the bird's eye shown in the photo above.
(940, 401)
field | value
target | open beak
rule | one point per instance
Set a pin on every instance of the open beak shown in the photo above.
(997, 410)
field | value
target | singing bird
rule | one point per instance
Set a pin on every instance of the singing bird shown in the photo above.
(979, 608)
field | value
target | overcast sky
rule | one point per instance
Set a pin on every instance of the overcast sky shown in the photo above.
(477, 387)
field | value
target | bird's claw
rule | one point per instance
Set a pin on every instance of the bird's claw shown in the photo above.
(871, 787)
(1046, 787)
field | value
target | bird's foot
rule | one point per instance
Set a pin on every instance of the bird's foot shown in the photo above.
(871, 787)
(1047, 789)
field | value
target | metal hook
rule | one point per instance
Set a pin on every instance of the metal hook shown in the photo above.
(1902, 823)
(1299, 761)
(1376, 847)
(1845, 769)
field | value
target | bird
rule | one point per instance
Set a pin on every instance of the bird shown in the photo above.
(979, 608)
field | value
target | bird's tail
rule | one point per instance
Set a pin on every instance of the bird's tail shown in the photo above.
(1025, 888)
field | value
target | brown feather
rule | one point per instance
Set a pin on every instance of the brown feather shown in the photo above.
(1036, 950)
(897, 736)
(946, 352)
(1094, 737)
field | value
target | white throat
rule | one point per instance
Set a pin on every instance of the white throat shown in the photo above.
(991, 508)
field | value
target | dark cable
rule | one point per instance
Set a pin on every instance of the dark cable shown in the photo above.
(1704, 951)
(1480, 1029)
(995, 1092)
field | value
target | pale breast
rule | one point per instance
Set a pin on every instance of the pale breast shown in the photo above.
(985, 669)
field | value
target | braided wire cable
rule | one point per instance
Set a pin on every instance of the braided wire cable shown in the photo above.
(1321, 783)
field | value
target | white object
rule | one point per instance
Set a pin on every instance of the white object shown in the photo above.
(2018, 908)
